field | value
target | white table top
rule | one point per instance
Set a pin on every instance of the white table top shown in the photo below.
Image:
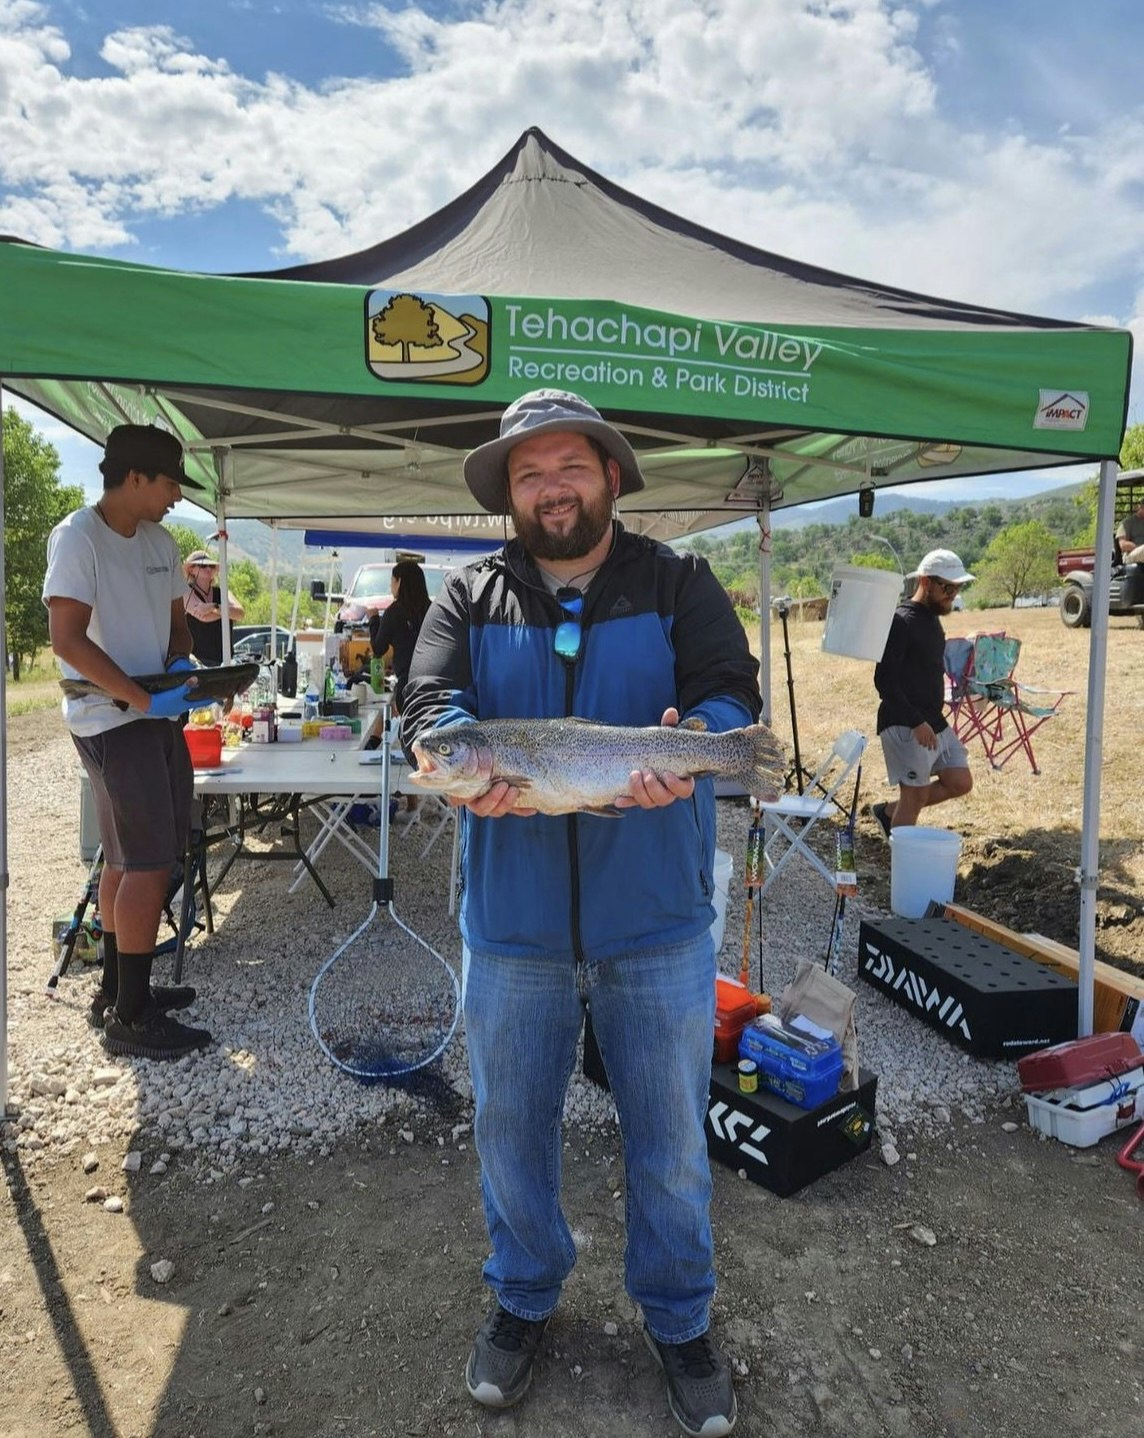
(314, 766)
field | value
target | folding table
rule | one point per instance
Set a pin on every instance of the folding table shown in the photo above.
(326, 776)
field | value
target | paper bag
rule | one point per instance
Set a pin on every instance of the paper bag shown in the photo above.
(829, 1003)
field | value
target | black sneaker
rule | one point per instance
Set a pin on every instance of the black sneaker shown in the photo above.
(151, 1035)
(177, 996)
(881, 813)
(699, 1390)
(499, 1369)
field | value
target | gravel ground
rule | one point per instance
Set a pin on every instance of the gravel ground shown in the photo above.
(264, 1086)
(248, 1243)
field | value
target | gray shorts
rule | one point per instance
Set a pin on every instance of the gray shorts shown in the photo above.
(142, 784)
(912, 764)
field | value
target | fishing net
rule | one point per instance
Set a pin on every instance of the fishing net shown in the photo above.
(385, 1003)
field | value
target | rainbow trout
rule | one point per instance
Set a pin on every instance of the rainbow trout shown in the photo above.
(219, 683)
(564, 765)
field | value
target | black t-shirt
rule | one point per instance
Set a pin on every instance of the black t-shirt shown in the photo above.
(910, 674)
(206, 639)
(394, 628)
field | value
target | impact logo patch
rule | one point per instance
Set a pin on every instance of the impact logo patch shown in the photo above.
(1062, 409)
(427, 339)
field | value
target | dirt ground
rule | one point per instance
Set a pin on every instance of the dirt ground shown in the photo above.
(338, 1296)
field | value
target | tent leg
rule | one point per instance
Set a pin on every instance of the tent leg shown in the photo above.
(3, 797)
(223, 468)
(1094, 746)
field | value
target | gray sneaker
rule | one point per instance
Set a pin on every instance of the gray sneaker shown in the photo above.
(499, 1369)
(699, 1390)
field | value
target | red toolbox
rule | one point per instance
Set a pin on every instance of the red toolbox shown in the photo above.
(1081, 1061)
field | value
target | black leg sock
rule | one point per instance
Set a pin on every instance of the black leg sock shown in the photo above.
(134, 984)
(110, 981)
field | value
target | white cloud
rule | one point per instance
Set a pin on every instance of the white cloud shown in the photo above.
(819, 131)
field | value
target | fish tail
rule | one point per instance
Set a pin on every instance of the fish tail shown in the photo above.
(766, 764)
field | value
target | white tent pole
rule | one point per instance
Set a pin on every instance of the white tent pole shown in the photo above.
(763, 516)
(274, 608)
(3, 796)
(223, 462)
(329, 594)
(1094, 744)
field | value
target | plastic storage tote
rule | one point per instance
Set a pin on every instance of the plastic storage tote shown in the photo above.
(1080, 1061)
(805, 1071)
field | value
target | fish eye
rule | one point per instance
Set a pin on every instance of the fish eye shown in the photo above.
(445, 749)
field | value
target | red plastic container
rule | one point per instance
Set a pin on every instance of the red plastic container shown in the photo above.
(1079, 1062)
(204, 743)
(735, 1007)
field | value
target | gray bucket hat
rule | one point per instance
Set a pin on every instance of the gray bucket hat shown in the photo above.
(543, 411)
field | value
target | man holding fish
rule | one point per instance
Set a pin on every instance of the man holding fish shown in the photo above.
(588, 855)
(114, 591)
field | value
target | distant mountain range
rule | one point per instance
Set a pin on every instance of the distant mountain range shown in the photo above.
(251, 539)
(839, 511)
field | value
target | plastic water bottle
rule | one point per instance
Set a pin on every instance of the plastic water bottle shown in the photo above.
(310, 701)
(339, 682)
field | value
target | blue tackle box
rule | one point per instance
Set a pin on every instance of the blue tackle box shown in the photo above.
(802, 1068)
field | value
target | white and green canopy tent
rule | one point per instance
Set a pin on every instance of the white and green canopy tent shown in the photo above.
(347, 391)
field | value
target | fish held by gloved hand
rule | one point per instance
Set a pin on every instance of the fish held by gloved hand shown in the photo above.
(561, 766)
(218, 683)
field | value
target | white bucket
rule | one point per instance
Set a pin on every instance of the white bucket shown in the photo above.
(923, 867)
(722, 887)
(862, 604)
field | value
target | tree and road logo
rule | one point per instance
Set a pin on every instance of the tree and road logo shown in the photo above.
(427, 339)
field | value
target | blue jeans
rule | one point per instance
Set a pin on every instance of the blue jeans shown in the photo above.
(653, 1014)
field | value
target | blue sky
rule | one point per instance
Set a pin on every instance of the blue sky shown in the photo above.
(987, 150)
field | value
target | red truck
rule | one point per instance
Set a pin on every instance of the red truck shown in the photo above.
(1075, 566)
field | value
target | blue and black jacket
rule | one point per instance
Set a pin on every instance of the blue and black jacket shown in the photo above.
(658, 632)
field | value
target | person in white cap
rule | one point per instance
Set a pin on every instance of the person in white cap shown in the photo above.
(924, 757)
(565, 914)
(204, 607)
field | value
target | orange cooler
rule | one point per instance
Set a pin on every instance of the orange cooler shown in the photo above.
(735, 1007)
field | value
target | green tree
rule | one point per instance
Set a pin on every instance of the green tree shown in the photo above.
(185, 537)
(1132, 450)
(1021, 560)
(245, 582)
(873, 560)
(34, 503)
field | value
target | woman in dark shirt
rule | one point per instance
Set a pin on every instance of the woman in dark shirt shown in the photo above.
(393, 633)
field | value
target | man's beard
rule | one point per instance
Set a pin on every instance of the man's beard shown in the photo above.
(590, 527)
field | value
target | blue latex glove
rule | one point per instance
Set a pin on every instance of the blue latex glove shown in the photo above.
(182, 665)
(170, 704)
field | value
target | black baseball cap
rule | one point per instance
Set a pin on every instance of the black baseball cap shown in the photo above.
(150, 450)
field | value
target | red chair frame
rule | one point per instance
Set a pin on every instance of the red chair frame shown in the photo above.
(985, 702)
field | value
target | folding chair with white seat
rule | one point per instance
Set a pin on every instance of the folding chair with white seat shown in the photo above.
(789, 820)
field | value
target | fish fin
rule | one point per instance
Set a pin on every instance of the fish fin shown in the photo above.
(604, 811)
(695, 723)
(518, 781)
(588, 723)
(764, 779)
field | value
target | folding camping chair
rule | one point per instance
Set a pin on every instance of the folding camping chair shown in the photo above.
(789, 820)
(985, 702)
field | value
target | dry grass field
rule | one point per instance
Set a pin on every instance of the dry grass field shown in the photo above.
(1021, 830)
